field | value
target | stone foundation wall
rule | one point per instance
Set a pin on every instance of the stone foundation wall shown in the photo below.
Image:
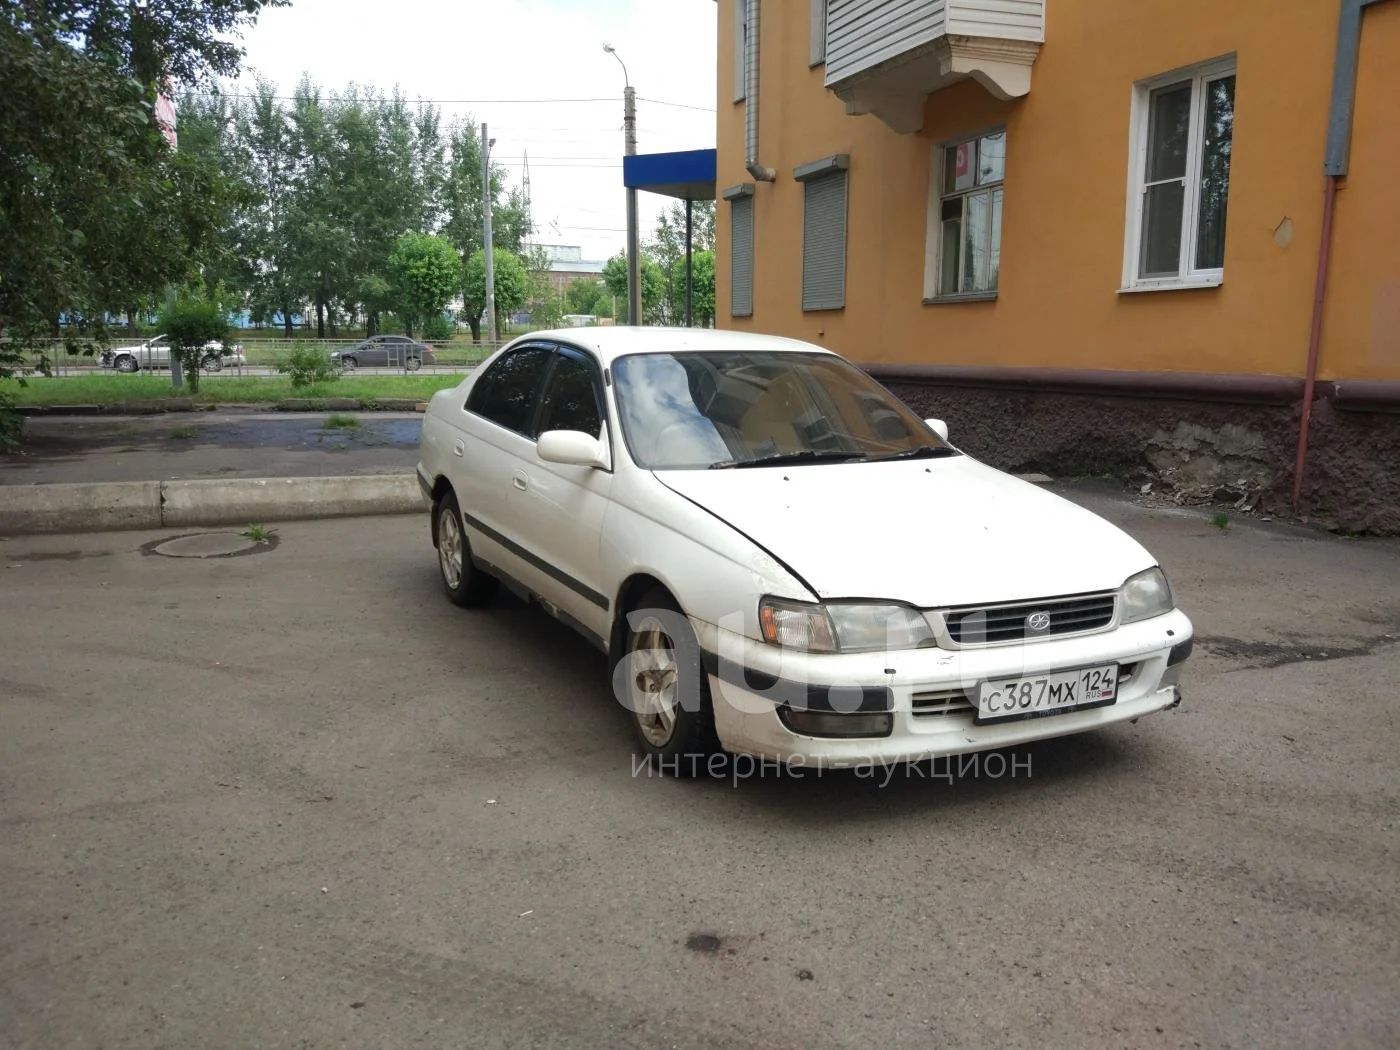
(1205, 452)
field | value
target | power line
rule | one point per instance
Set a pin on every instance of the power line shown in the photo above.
(678, 105)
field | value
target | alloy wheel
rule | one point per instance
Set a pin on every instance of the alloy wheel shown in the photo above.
(653, 682)
(450, 547)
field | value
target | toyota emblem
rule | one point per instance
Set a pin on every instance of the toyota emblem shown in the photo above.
(1038, 622)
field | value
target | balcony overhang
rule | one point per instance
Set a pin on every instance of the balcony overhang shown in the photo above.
(895, 90)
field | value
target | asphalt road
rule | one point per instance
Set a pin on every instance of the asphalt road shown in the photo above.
(296, 799)
(224, 443)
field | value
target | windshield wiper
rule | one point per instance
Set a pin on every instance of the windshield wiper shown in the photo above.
(778, 459)
(919, 452)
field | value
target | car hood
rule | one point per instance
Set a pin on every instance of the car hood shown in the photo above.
(930, 532)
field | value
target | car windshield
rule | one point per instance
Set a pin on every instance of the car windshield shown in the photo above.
(690, 411)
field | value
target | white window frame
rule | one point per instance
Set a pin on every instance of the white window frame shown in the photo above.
(1187, 276)
(933, 222)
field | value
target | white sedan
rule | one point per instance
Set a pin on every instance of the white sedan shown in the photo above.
(780, 559)
(155, 353)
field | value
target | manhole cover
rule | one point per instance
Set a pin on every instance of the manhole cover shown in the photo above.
(210, 545)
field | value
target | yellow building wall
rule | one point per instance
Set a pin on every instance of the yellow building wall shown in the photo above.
(1066, 195)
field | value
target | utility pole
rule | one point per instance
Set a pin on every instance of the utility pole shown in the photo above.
(486, 144)
(689, 280)
(629, 129)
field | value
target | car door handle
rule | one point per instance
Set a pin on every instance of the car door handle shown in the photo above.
(457, 448)
(520, 481)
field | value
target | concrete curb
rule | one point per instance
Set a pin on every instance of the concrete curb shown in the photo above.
(104, 506)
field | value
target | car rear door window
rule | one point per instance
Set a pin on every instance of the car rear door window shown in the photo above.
(571, 398)
(508, 393)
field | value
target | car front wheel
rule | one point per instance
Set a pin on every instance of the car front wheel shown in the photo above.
(213, 363)
(128, 364)
(665, 684)
(348, 364)
(466, 585)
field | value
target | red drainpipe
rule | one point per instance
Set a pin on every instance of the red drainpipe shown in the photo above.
(1324, 253)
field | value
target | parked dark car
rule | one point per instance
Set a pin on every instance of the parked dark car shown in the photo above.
(385, 351)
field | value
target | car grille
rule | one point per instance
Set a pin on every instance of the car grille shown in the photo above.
(930, 703)
(989, 624)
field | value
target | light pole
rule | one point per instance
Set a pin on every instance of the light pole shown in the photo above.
(490, 252)
(629, 127)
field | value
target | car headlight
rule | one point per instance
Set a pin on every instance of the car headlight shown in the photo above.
(1144, 595)
(846, 627)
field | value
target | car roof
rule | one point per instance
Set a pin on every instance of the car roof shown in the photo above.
(609, 343)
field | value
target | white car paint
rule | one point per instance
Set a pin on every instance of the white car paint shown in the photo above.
(925, 532)
(930, 533)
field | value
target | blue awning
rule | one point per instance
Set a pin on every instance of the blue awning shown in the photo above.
(687, 174)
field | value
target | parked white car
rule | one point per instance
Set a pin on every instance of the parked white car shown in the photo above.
(155, 353)
(781, 559)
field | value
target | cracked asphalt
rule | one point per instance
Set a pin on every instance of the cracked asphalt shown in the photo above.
(294, 798)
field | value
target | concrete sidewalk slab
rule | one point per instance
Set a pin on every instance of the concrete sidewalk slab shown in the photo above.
(104, 506)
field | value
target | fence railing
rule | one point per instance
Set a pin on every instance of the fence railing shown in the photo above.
(264, 357)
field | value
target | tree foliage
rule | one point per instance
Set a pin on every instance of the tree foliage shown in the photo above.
(510, 280)
(98, 214)
(424, 273)
(331, 181)
(653, 288)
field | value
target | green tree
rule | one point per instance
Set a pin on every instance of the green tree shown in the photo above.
(98, 212)
(702, 278)
(583, 297)
(667, 247)
(511, 283)
(424, 273)
(191, 320)
(653, 288)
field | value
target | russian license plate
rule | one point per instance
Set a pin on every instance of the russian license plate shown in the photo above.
(1046, 694)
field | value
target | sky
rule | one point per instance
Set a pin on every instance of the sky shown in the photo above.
(469, 54)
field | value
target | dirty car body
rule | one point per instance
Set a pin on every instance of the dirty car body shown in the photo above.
(855, 588)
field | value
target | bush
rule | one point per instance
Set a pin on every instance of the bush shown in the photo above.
(437, 328)
(191, 321)
(306, 364)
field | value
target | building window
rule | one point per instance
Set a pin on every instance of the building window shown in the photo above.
(740, 250)
(964, 228)
(1182, 130)
(824, 232)
(818, 31)
(741, 49)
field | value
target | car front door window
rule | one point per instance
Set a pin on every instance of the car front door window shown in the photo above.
(508, 393)
(571, 400)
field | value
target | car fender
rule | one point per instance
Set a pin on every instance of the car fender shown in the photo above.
(716, 573)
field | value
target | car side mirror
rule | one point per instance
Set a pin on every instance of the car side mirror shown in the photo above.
(938, 427)
(572, 447)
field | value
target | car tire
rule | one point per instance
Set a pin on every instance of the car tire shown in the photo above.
(348, 364)
(213, 363)
(412, 364)
(668, 692)
(465, 584)
(126, 364)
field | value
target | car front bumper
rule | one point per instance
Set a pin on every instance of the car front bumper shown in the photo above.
(750, 682)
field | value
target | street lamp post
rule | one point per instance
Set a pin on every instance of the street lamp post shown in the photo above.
(629, 126)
